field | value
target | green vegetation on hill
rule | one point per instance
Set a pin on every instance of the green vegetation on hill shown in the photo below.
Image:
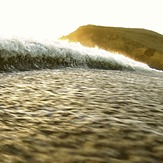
(139, 44)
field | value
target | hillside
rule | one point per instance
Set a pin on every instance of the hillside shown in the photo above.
(139, 44)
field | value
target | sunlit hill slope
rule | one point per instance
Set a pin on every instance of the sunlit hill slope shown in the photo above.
(139, 44)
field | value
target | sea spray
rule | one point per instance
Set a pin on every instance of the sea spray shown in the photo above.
(22, 55)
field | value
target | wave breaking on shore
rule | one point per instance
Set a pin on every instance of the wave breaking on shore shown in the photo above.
(24, 55)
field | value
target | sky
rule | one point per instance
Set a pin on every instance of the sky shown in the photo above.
(51, 19)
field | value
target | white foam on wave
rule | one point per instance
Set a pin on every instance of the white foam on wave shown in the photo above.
(65, 49)
(103, 55)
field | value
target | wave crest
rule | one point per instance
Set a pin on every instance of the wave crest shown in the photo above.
(25, 55)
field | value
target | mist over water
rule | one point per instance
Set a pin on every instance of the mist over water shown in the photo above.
(77, 104)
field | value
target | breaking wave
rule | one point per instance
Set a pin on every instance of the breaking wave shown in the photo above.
(23, 55)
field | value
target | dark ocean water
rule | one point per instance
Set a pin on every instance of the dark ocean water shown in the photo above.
(77, 105)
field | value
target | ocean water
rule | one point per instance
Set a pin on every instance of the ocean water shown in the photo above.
(62, 102)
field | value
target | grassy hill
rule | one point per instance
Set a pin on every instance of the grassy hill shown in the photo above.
(139, 44)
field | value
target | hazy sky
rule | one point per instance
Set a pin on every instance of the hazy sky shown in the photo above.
(54, 18)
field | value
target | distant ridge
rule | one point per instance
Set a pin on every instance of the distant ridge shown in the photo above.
(139, 44)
